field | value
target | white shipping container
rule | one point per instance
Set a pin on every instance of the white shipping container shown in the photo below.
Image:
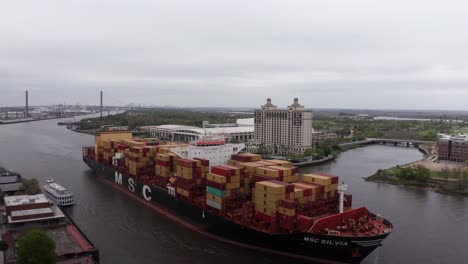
(213, 204)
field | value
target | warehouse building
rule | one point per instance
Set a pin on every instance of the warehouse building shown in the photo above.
(453, 148)
(283, 131)
(189, 133)
(22, 209)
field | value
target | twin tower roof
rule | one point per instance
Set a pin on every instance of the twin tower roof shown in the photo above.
(295, 105)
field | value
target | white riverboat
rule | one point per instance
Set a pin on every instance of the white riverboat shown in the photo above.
(57, 193)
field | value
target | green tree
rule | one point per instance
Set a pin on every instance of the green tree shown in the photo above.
(30, 186)
(421, 173)
(308, 152)
(262, 149)
(2, 195)
(3, 245)
(35, 247)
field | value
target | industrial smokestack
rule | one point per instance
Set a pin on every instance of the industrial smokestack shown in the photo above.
(101, 104)
(26, 112)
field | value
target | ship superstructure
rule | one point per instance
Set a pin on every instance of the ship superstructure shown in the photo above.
(262, 203)
(213, 148)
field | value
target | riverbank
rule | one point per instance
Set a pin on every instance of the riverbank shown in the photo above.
(315, 162)
(433, 180)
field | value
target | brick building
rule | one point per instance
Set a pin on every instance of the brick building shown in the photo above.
(452, 148)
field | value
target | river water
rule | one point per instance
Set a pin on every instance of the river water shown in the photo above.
(429, 227)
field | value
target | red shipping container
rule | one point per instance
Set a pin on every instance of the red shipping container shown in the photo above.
(294, 170)
(204, 162)
(241, 158)
(286, 220)
(305, 221)
(146, 149)
(122, 147)
(134, 159)
(263, 217)
(256, 178)
(307, 191)
(188, 163)
(290, 204)
(348, 200)
(163, 163)
(216, 185)
(135, 150)
(223, 171)
(185, 183)
(197, 173)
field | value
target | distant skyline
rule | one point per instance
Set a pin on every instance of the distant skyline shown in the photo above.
(329, 54)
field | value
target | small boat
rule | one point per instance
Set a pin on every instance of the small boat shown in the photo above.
(57, 193)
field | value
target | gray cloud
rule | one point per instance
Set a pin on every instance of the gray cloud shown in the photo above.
(343, 54)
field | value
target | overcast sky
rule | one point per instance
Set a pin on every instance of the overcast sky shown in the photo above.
(329, 54)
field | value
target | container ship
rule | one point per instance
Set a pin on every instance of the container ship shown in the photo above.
(240, 198)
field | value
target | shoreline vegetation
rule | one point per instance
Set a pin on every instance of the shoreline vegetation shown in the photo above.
(449, 179)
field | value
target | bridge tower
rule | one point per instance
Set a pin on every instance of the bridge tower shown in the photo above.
(26, 111)
(101, 105)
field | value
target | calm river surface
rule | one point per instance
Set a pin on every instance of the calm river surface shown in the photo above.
(429, 227)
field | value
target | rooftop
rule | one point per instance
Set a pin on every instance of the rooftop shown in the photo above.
(25, 199)
(201, 131)
(459, 137)
(8, 179)
(31, 212)
(53, 208)
(10, 187)
(68, 240)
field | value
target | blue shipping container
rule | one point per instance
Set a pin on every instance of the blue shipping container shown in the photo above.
(215, 191)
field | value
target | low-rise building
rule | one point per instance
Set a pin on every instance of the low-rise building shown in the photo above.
(189, 133)
(10, 182)
(20, 209)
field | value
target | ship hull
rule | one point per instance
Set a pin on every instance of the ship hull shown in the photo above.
(321, 248)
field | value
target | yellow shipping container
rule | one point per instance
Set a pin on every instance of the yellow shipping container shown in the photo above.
(317, 179)
(287, 211)
(331, 187)
(302, 200)
(283, 163)
(267, 171)
(163, 157)
(290, 179)
(286, 171)
(266, 203)
(182, 192)
(270, 187)
(213, 197)
(312, 198)
(232, 185)
(298, 193)
(215, 178)
(268, 196)
(186, 175)
(252, 166)
(314, 188)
